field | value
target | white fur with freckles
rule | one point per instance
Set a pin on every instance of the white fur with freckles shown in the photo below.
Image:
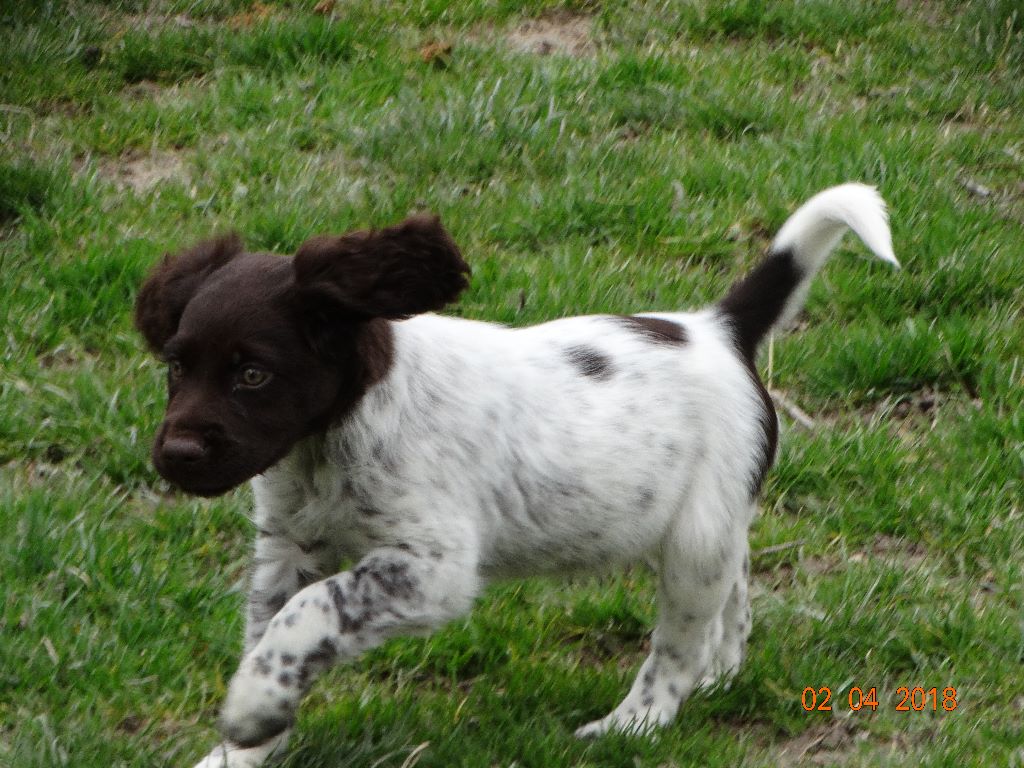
(488, 452)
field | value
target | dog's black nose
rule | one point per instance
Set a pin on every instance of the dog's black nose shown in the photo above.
(183, 449)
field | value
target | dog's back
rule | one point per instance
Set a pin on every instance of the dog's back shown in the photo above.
(571, 444)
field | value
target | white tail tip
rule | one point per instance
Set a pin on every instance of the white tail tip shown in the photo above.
(815, 229)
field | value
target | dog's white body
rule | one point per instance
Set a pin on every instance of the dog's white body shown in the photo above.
(518, 459)
(488, 452)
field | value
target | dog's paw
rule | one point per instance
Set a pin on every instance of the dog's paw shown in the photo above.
(232, 756)
(725, 664)
(259, 705)
(629, 720)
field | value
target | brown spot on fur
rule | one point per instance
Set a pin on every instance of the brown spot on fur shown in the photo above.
(645, 499)
(590, 362)
(393, 578)
(656, 330)
(338, 598)
(262, 666)
(316, 660)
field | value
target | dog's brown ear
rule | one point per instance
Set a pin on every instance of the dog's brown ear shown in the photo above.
(173, 283)
(395, 273)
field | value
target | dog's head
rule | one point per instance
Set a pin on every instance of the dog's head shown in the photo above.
(264, 350)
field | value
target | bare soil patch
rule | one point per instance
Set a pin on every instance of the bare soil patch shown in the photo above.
(839, 741)
(779, 565)
(144, 173)
(906, 413)
(561, 34)
(899, 552)
(827, 744)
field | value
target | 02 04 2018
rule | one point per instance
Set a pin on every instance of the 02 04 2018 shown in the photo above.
(906, 699)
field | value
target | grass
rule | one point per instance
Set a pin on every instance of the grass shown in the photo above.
(647, 168)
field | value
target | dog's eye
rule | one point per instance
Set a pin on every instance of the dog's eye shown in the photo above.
(175, 370)
(253, 377)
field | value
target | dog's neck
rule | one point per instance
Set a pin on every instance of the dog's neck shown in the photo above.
(363, 356)
(344, 436)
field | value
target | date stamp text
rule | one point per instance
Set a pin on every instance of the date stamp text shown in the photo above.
(916, 699)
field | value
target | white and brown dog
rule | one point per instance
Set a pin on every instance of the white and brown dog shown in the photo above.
(443, 454)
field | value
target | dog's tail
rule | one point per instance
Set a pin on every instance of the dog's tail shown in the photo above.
(776, 290)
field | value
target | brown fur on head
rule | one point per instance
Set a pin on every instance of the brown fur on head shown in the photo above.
(265, 350)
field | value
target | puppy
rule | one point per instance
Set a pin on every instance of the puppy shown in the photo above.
(441, 454)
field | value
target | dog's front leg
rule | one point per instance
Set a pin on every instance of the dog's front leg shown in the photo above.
(281, 567)
(390, 592)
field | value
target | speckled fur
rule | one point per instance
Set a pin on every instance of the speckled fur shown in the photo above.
(486, 453)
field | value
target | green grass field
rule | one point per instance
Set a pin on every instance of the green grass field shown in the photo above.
(589, 157)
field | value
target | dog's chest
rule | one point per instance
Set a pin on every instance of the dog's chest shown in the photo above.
(324, 504)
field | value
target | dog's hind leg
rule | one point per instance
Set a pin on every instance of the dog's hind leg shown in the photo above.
(729, 642)
(700, 560)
